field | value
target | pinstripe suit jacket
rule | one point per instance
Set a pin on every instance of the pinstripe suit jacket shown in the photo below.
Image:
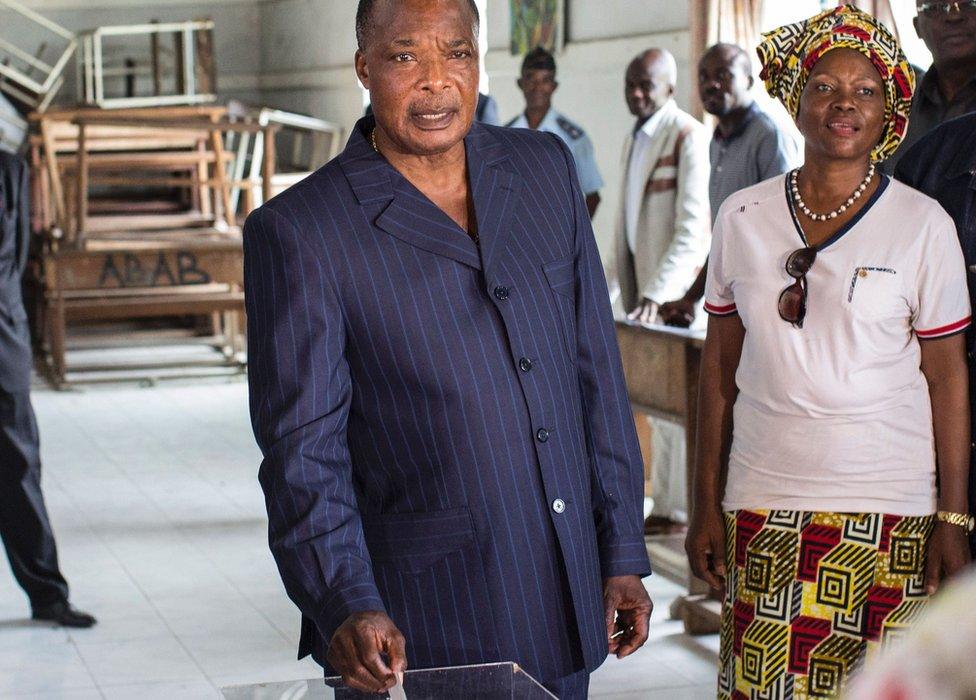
(422, 406)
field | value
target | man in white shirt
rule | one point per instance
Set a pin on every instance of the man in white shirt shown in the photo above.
(663, 232)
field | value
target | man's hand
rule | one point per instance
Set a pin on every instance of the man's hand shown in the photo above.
(679, 313)
(627, 609)
(357, 650)
(705, 546)
(645, 313)
(948, 552)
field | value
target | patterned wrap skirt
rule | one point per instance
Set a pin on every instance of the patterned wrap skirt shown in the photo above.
(810, 596)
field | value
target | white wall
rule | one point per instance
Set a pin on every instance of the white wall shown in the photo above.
(307, 58)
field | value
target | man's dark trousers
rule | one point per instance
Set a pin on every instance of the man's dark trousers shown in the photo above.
(24, 525)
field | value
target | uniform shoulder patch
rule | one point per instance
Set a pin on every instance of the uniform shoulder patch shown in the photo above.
(574, 132)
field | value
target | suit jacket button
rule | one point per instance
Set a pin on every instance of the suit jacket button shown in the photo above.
(525, 364)
(542, 435)
(559, 505)
(501, 293)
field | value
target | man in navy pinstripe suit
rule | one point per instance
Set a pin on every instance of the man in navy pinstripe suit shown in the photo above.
(450, 464)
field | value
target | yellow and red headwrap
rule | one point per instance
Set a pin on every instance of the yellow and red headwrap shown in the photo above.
(788, 55)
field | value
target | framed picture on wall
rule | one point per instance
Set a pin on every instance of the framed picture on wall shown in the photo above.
(536, 23)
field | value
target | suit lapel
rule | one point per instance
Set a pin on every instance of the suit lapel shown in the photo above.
(495, 190)
(397, 207)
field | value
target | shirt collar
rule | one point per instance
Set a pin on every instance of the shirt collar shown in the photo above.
(651, 125)
(751, 111)
(548, 122)
(928, 87)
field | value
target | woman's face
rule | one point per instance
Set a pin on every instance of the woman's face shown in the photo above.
(842, 108)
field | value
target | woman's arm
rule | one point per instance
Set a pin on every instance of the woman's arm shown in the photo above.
(944, 367)
(705, 544)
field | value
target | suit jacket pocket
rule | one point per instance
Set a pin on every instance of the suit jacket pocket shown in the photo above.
(414, 542)
(431, 575)
(561, 275)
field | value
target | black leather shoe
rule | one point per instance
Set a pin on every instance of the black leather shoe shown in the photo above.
(63, 614)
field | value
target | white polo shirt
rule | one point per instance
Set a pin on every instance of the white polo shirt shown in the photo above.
(836, 416)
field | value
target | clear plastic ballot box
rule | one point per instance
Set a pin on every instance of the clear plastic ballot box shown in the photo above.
(501, 681)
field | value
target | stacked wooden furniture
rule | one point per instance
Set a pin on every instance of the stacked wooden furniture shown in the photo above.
(135, 208)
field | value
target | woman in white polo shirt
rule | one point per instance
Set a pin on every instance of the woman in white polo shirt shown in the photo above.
(833, 382)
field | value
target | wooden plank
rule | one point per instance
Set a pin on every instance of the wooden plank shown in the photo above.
(150, 181)
(166, 240)
(146, 222)
(161, 268)
(268, 165)
(129, 292)
(166, 112)
(157, 160)
(220, 175)
(54, 175)
(81, 206)
(142, 308)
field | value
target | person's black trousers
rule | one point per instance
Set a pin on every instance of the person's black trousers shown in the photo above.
(24, 525)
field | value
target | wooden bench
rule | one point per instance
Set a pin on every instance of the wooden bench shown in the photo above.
(139, 281)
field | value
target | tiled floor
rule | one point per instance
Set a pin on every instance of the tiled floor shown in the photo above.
(160, 524)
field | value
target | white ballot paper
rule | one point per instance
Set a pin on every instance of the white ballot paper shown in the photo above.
(396, 692)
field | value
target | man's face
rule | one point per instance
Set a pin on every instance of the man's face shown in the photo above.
(420, 66)
(723, 82)
(646, 88)
(950, 36)
(538, 85)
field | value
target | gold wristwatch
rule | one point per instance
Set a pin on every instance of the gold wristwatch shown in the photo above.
(963, 520)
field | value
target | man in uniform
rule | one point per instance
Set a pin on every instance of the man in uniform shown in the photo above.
(538, 83)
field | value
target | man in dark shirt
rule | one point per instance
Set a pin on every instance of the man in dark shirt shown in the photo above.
(948, 89)
(943, 166)
(747, 147)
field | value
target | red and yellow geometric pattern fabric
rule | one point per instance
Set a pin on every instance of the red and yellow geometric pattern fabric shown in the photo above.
(810, 596)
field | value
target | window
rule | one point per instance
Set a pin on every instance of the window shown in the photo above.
(915, 49)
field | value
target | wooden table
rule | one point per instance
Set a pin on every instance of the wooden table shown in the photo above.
(661, 366)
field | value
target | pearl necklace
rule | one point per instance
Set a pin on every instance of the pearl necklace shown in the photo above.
(794, 188)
